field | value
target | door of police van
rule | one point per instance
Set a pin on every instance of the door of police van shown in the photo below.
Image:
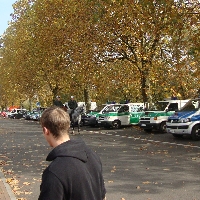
(136, 111)
(124, 115)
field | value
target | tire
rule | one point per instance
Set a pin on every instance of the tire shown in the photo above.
(177, 135)
(163, 127)
(196, 132)
(116, 124)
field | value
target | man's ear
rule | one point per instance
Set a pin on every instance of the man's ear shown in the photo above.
(45, 131)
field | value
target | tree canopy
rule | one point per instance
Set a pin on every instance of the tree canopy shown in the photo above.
(142, 50)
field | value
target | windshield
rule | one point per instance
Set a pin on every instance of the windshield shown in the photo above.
(111, 108)
(192, 105)
(159, 106)
(98, 109)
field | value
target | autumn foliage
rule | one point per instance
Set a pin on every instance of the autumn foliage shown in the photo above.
(101, 50)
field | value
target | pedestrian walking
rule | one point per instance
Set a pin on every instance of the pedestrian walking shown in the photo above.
(75, 171)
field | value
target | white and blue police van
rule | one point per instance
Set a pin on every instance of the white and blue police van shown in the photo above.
(186, 121)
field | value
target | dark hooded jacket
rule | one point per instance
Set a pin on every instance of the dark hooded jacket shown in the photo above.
(72, 104)
(75, 173)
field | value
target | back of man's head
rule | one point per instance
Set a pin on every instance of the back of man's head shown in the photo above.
(56, 120)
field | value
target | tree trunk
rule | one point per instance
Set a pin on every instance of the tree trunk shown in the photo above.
(87, 98)
(55, 93)
(143, 89)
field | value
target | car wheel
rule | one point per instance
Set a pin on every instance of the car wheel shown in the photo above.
(163, 127)
(116, 124)
(196, 132)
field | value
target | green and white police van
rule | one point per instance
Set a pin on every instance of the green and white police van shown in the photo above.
(91, 117)
(157, 116)
(118, 115)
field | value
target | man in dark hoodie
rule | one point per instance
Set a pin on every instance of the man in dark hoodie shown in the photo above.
(75, 171)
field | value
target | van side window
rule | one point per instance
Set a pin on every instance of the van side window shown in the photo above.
(137, 108)
(124, 108)
(173, 107)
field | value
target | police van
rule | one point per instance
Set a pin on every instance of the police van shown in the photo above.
(157, 116)
(186, 121)
(90, 119)
(118, 115)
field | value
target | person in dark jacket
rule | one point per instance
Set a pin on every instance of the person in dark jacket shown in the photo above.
(75, 171)
(58, 102)
(72, 105)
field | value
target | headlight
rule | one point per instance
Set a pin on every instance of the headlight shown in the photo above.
(184, 120)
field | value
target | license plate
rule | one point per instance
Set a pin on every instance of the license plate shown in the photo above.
(171, 131)
(143, 124)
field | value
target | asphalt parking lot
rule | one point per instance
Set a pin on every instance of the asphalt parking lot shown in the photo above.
(136, 165)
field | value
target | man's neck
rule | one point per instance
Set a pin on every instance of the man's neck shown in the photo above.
(60, 141)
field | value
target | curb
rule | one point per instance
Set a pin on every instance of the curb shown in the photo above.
(7, 186)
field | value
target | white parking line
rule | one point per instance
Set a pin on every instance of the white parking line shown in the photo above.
(171, 143)
(195, 146)
(180, 144)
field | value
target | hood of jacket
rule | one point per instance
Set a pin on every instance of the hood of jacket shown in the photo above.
(72, 148)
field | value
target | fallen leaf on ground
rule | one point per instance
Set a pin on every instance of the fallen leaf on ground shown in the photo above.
(146, 182)
(110, 181)
(26, 183)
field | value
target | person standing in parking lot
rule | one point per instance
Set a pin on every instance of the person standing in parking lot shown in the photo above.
(75, 171)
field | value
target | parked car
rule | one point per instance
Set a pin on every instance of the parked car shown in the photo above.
(90, 119)
(118, 115)
(157, 116)
(27, 115)
(36, 116)
(4, 114)
(186, 121)
(14, 113)
(18, 115)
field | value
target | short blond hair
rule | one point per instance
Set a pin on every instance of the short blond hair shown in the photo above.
(56, 120)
